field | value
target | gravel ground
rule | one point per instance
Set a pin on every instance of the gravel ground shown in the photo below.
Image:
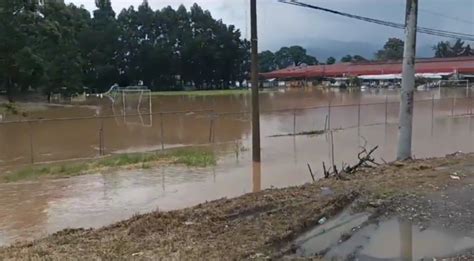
(263, 225)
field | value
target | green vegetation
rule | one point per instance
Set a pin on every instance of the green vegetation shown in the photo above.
(52, 47)
(187, 157)
(204, 93)
(9, 108)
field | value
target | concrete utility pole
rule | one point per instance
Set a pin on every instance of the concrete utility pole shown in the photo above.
(408, 82)
(255, 99)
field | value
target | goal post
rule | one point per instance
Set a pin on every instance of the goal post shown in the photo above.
(453, 83)
(134, 102)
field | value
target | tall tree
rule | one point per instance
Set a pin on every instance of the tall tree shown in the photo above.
(293, 56)
(392, 50)
(358, 58)
(62, 27)
(458, 48)
(20, 66)
(331, 60)
(267, 61)
(346, 59)
(100, 47)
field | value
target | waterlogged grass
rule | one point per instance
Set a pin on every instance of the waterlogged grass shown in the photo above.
(190, 158)
(204, 93)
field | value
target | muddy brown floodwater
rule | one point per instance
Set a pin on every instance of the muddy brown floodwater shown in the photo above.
(32, 209)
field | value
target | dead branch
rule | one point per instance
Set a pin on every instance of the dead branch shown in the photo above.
(365, 160)
(311, 173)
(326, 172)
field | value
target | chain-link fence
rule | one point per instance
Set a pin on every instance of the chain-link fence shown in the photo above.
(49, 140)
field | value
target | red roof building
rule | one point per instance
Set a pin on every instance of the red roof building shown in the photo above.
(461, 65)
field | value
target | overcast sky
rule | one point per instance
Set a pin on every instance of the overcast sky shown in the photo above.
(281, 24)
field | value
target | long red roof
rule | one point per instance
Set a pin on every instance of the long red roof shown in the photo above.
(463, 65)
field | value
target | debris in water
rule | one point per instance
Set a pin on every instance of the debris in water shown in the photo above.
(455, 177)
(384, 241)
(326, 235)
(322, 220)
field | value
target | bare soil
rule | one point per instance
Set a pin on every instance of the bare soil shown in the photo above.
(263, 225)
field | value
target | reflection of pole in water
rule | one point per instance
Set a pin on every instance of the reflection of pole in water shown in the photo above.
(406, 241)
(163, 179)
(295, 151)
(214, 174)
(332, 149)
(256, 177)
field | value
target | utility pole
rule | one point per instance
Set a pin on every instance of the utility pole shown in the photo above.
(254, 80)
(408, 82)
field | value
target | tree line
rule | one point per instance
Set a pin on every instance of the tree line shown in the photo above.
(47, 46)
(391, 51)
(50, 47)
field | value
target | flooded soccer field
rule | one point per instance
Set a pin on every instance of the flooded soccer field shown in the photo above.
(442, 124)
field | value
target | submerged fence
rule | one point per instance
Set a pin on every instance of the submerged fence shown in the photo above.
(48, 140)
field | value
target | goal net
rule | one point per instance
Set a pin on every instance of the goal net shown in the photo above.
(453, 83)
(133, 103)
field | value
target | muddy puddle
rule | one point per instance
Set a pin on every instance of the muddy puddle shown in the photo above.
(30, 210)
(343, 238)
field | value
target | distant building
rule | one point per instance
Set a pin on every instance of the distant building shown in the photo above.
(434, 68)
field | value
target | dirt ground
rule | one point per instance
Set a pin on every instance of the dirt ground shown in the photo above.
(263, 225)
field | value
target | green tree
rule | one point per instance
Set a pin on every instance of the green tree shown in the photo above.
(392, 50)
(53, 47)
(293, 56)
(267, 61)
(99, 45)
(446, 49)
(20, 66)
(346, 59)
(331, 60)
(358, 58)
(63, 62)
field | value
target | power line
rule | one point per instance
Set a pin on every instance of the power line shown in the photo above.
(436, 32)
(446, 16)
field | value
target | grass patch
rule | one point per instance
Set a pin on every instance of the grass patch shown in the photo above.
(204, 93)
(189, 158)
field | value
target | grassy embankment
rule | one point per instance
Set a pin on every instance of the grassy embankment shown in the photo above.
(203, 93)
(260, 226)
(208, 92)
(190, 158)
(11, 108)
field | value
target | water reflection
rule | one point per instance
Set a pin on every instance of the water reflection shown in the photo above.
(406, 241)
(256, 176)
(29, 210)
(80, 138)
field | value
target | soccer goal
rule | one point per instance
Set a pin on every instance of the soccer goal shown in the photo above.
(134, 103)
(453, 83)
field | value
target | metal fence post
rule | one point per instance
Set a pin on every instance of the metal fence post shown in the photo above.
(102, 142)
(329, 115)
(470, 103)
(452, 106)
(162, 135)
(358, 117)
(32, 152)
(294, 122)
(386, 109)
(432, 112)
(211, 128)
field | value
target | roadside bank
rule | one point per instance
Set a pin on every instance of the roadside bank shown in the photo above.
(266, 224)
